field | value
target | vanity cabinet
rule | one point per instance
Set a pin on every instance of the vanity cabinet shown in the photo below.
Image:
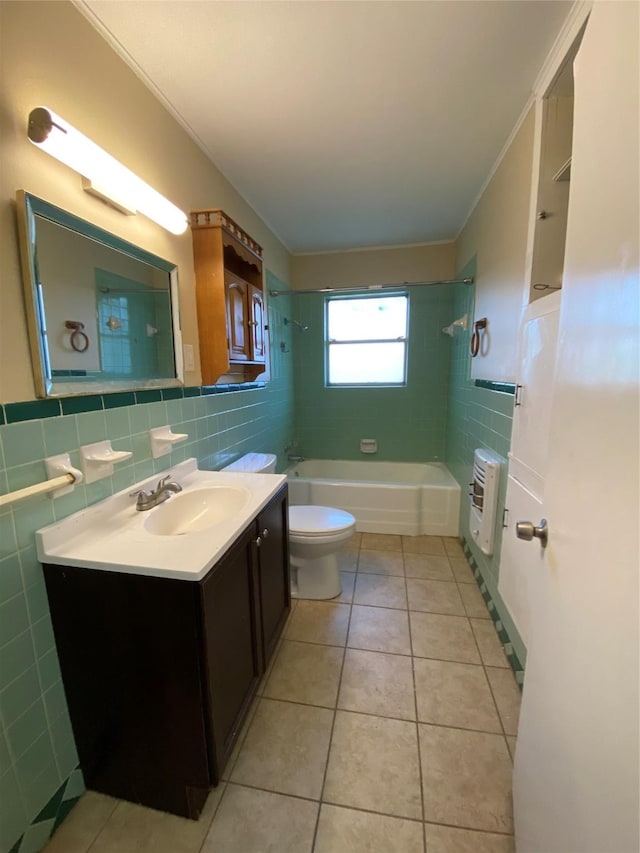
(160, 673)
(230, 298)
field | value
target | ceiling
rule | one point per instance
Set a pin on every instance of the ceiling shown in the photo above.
(343, 124)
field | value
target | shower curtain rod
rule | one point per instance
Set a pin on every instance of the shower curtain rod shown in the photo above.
(370, 287)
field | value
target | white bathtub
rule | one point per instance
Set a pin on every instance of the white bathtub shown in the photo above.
(384, 497)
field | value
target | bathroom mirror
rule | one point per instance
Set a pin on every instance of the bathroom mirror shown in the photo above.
(102, 313)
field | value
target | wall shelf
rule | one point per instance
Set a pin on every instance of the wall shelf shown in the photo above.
(163, 440)
(564, 172)
(99, 458)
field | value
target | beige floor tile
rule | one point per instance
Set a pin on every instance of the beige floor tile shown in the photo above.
(467, 778)
(511, 743)
(352, 544)
(348, 581)
(434, 597)
(427, 566)
(474, 603)
(306, 673)
(452, 546)
(343, 830)
(381, 542)
(83, 823)
(462, 570)
(446, 839)
(285, 749)
(507, 695)
(423, 545)
(251, 821)
(380, 591)
(134, 828)
(379, 629)
(381, 563)
(377, 683)
(373, 765)
(443, 637)
(491, 649)
(347, 560)
(319, 622)
(454, 694)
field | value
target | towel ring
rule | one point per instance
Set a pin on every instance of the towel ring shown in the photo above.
(475, 337)
(79, 340)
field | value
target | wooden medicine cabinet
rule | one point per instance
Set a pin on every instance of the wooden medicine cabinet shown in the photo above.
(230, 298)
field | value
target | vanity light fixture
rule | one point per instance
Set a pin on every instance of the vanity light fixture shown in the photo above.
(102, 174)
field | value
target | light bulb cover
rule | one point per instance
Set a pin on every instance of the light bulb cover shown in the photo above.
(104, 176)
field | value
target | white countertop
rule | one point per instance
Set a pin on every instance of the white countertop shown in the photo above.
(111, 535)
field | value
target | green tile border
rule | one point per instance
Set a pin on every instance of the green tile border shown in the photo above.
(31, 410)
(57, 808)
(503, 387)
(34, 410)
(503, 636)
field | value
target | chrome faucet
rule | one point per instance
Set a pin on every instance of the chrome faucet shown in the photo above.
(295, 459)
(165, 488)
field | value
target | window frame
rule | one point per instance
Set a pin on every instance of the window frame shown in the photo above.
(328, 342)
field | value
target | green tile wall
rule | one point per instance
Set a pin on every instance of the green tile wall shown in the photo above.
(478, 417)
(37, 751)
(409, 423)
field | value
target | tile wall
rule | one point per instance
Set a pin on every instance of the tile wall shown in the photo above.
(478, 417)
(409, 423)
(37, 750)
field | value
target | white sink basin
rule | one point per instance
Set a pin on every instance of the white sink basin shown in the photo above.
(181, 538)
(198, 509)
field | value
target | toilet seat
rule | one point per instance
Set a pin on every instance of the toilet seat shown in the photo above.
(315, 522)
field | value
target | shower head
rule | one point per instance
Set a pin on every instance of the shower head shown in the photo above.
(300, 326)
(461, 323)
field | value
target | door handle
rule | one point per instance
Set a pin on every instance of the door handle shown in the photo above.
(527, 530)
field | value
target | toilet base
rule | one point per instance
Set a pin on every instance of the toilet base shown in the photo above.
(317, 579)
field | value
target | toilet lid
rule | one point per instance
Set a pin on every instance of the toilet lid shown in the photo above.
(318, 520)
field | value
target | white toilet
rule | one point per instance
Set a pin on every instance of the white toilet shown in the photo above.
(316, 533)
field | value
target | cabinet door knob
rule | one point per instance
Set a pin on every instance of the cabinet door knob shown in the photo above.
(265, 533)
(252, 323)
(258, 541)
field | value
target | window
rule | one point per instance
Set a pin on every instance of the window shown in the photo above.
(366, 340)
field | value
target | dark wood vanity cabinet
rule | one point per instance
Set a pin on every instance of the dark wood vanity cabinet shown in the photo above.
(160, 673)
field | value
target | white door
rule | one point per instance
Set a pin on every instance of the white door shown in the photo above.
(519, 562)
(576, 766)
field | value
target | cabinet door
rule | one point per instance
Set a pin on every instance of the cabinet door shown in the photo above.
(233, 653)
(275, 594)
(130, 657)
(237, 318)
(536, 376)
(257, 324)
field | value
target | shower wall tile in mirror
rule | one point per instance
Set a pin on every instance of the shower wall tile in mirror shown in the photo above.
(38, 759)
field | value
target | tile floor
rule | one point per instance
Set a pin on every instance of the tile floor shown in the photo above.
(386, 723)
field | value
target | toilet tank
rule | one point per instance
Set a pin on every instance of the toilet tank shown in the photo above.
(254, 463)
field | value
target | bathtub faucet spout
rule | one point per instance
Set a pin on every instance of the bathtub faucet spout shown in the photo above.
(295, 459)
